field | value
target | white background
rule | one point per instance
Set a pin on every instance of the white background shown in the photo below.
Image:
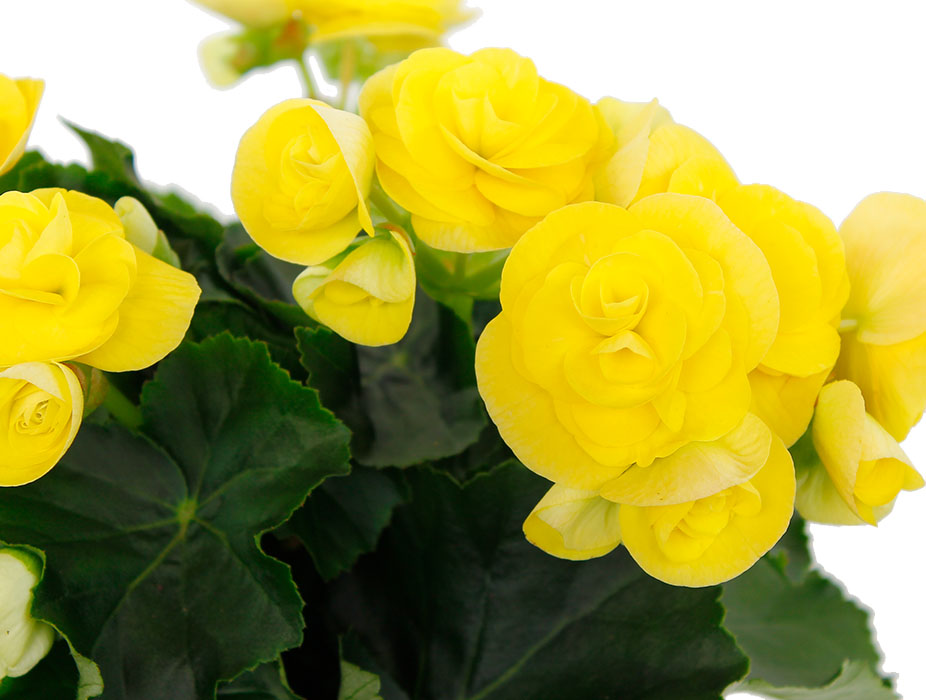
(825, 100)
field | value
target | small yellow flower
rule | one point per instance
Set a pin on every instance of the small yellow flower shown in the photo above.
(862, 469)
(884, 322)
(624, 336)
(74, 289)
(19, 102)
(652, 154)
(422, 21)
(251, 13)
(301, 179)
(41, 406)
(715, 538)
(366, 296)
(479, 148)
(24, 641)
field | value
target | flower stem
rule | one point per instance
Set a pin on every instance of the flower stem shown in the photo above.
(308, 81)
(386, 206)
(123, 410)
(348, 68)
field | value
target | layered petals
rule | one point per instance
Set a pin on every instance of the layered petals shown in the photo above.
(624, 336)
(717, 537)
(41, 407)
(301, 178)
(573, 524)
(479, 148)
(73, 288)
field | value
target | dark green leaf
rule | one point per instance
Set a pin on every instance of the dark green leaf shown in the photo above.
(215, 317)
(420, 394)
(793, 550)
(343, 518)
(266, 682)
(856, 681)
(796, 633)
(155, 571)
(455, 603)
(357, 684)
(110, 157)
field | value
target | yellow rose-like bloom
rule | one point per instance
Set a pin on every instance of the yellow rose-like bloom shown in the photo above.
(423, 21)
(301, 179)
(251, 13)
(624, 336)
(72, 287)
(41, 407)
(884, 322)
(19, 102)
(367, 296)
(24, 641)
(862, 468)
(718, 537)
(652, 154)
(808, 264)
(479, 148)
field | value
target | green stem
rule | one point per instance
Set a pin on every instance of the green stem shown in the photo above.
(348, 68)
(307, 81)
(123, 410)
(459, 267)
(387, 207)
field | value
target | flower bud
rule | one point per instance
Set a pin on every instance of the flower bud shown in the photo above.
(19, 102)
(140, 229)
(366, 296)
(42, 404)
(23, 641)
(861, 468)
(573, 524)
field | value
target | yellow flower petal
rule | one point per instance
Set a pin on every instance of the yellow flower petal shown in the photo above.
(19, 102)
(152, 320)
(572, 524)
(717, 538)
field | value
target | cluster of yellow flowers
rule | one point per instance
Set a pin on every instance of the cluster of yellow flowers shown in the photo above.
(666, 332)
(76, 292)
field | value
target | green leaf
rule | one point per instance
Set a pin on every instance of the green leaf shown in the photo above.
(793, 550)
(796, 633)
(213, 318)
(420, 394)
(357, 684)
(856, 681)
(343, 518)
(455, 603)
(155, 569)
(110, 157)
(266, 682)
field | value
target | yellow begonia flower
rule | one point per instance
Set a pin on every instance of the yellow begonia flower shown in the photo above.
(251, 13)
(367, 296)
(718, 537)
(861, 468)
(479, 148)
(625, 335)
(301, 179)
(24, 641)
(19, 102)
(421, 21)
(41, 408)
(884, 321)
(72, 287)
(651, 154)
(573, 524)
